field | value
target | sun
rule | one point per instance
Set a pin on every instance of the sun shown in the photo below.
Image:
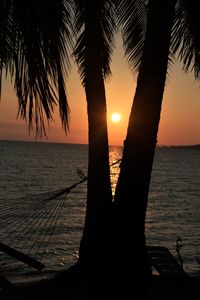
(116, 117)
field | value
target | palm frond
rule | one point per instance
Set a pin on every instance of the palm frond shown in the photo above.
(38, 34)
(132, 17)
(5, 33)
(186, 35)
(95, 19)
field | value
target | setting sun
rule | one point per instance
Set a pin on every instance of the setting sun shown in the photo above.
(115, 117)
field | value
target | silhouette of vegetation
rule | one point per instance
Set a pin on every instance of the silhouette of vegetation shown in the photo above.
(95, 26)
(35, 52)
(176, 30)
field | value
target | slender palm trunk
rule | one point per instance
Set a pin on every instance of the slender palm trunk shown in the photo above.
(133, 185)
(99, 197)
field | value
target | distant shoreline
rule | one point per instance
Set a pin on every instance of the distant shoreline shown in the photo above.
(189, 147)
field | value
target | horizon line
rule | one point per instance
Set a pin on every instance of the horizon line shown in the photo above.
(86, 144)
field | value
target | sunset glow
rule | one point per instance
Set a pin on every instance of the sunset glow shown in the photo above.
(177, 126)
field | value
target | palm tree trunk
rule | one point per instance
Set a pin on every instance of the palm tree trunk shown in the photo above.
(133, 185)
(99, 194)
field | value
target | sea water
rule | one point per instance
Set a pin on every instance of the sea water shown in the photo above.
(32, 168)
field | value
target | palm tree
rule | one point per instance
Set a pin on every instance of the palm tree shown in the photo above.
(95, 25)
(35, 52)
(176, 29)
(34, 48)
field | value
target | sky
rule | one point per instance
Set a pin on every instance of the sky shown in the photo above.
(180, 116)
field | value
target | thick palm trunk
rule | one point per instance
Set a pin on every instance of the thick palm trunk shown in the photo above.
(134, 179)
(99, 196)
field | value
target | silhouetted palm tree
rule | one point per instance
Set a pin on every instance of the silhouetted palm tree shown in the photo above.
(34, 42)
(95, 25)
(36, 37)
(171, 26)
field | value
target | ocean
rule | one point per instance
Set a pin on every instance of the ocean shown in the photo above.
(29, 171)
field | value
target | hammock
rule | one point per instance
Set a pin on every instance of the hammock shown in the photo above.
(31, 224)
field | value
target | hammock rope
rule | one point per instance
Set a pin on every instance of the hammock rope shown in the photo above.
(32, 223)
(38, 222)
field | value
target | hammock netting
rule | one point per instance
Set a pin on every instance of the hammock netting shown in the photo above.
(30, 224)
(26, 228)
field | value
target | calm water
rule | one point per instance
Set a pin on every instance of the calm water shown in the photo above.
(28, 169)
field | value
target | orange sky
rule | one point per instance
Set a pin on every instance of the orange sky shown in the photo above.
(180, 118)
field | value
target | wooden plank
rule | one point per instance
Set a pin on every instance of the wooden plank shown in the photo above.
(164, 262)
(21, 257)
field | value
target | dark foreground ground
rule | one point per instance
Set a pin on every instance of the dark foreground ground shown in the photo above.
(65, 286)
(175, 288)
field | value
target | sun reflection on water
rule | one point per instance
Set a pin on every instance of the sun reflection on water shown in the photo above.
(115, 155)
